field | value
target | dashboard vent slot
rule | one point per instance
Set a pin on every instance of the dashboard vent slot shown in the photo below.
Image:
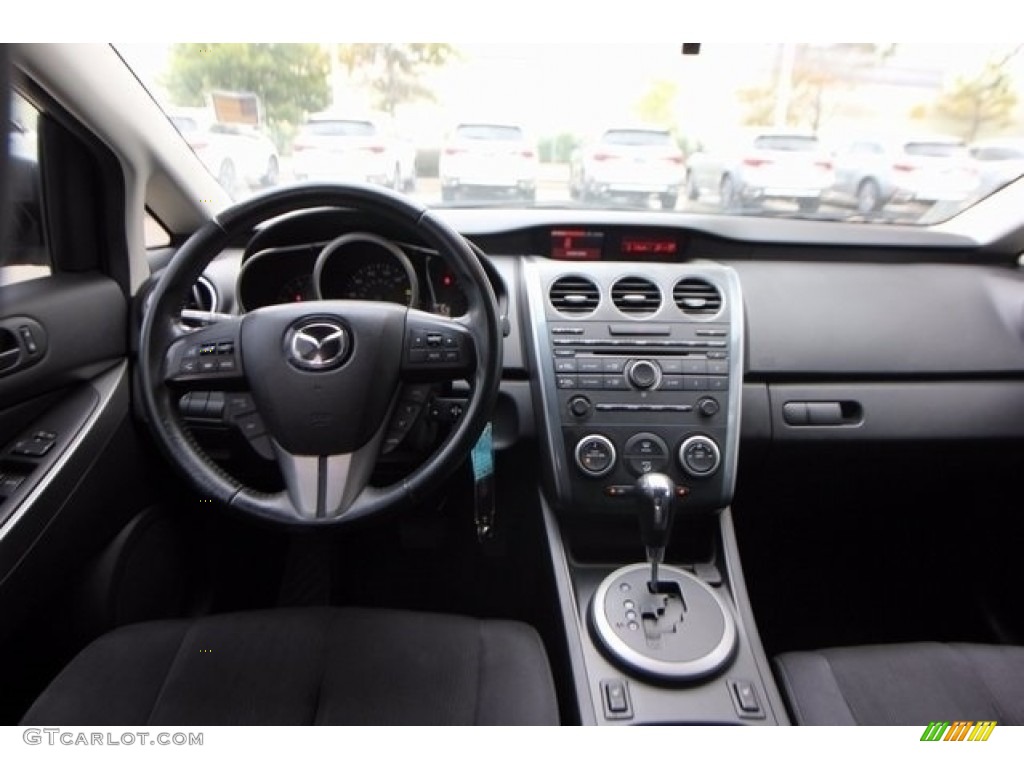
(636, 296)
(697, 297)
(574, 295)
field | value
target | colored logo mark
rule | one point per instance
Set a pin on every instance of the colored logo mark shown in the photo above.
(959, 730)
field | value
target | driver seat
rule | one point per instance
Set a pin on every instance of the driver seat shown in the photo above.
(307, 666)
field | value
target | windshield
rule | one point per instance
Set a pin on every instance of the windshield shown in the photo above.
(871, 132)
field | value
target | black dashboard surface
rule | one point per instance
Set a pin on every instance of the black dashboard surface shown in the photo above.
(915, 307)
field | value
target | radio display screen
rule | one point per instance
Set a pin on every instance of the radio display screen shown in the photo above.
(576, 244)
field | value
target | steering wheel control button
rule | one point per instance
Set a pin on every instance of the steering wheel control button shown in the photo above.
(317, 344)
(699, 456)
(643, 374)
(251, 425)
(595, 455)
(214, 406)
(239, 404)
(645, 452)
(443, 349)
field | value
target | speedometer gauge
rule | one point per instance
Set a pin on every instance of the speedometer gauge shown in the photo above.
(377, 281)
(365, 267)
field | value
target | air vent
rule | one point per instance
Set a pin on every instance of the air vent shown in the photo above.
(574, 295)
(697, 297)
(202, 298)
(636, 296)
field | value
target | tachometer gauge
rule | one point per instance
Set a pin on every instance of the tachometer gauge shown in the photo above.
(299, 288)
(365, 267)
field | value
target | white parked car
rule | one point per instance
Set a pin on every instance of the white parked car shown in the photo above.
(1000, 161)
(762, 165)
(364, 148)
(485, 158)
(239, 155)
(629, 162)
(872, 172)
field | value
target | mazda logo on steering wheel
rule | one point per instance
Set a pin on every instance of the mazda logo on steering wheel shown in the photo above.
(317, 345)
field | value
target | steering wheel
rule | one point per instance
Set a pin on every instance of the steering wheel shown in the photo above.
(324, 375)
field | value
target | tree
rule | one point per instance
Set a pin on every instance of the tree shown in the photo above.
(658, 104)
(394, 71)
(984, 99)
(558, 148)
(290, 80)
(816, 73)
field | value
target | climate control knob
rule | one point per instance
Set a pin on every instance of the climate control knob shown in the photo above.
(644, 374)
(699, 456)
(595, 455)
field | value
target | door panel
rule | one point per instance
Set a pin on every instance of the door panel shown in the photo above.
(83, 322)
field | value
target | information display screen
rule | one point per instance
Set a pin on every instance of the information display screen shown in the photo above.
(576, 244)
(649, 247)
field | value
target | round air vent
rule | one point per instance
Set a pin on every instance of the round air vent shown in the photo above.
(697, 297)
(636, 296)
(574, 295)
(202, 298)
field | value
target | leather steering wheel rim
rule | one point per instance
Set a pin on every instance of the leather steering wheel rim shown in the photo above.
(160, 331)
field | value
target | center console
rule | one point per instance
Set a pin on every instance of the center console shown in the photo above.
(637, 373)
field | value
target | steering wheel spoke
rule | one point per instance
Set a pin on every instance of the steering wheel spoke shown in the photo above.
(436, 348)
(209, 358)
(326, 487)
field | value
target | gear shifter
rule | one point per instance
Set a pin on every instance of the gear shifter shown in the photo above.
(676, 629)
(656, 495)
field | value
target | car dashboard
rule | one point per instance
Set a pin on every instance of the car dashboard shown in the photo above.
(708, 349)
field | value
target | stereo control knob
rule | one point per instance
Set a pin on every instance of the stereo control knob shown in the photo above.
(708, 406)
(699, 456)
(579, 407)
(644, 374)
(595, 455)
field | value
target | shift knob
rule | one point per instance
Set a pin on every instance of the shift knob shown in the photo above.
(655, 494)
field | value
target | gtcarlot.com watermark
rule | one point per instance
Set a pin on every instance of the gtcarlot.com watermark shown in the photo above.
(60, 736)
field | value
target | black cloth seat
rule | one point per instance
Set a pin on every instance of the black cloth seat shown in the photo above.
(908, 684)
(323, 666)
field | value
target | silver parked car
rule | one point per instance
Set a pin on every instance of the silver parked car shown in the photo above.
(762, 165)
(873, 172)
